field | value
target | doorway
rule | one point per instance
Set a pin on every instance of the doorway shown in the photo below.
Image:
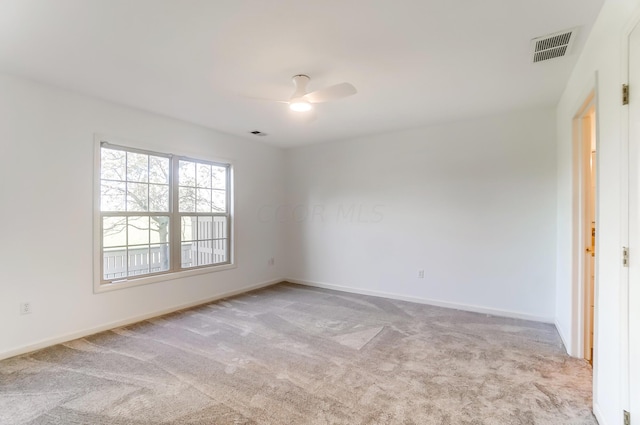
(585, 224)
(585, 230)
(589, 188)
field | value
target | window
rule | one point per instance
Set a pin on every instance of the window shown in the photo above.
(160, 213)
(202, 188)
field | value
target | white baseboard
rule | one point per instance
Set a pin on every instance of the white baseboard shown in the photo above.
(119, 323)
(562, 337)
(437, 303)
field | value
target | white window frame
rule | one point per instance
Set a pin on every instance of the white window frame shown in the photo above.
(175, 271)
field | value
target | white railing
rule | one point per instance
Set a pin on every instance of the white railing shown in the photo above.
(145, 260)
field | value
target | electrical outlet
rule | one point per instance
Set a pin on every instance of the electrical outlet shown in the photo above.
(272, 261)
(420, 274)
(25, 308)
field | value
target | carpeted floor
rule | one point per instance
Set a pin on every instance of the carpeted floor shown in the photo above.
(295, 355)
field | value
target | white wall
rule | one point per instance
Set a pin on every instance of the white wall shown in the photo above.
(46, 140)
(602, 54)
(472, 203)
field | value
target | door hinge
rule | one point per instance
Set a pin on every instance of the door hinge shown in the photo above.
(627, 418)
(625, 256)
(625, 94)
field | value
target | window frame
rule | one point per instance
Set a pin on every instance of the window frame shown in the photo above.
(177, 222)
(175, 271)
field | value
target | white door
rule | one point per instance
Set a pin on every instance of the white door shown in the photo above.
(634, 225)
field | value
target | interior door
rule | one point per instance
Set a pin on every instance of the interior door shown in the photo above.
(634, 224)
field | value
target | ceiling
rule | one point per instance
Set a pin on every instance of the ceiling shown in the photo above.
(414, 62)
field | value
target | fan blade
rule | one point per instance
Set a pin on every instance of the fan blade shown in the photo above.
(331, 93)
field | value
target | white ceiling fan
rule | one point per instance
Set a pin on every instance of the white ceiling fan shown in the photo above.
(301, 101)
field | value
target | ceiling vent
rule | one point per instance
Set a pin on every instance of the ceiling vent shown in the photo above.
(553, 46)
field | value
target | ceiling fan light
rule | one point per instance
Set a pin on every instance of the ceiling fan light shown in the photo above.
(300, 105)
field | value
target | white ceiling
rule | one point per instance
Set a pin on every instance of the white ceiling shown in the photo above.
(414, 62)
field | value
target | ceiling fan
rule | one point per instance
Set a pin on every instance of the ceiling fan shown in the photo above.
(301, 101)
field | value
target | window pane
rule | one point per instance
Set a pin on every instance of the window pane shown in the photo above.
(203, 201)
(187, 201)
(137, 167)
(220, 227)
(159, 258)
(114, 231)
(138, 260)
(189, 252)
(219, 201)
(188, 228)
(220, 251)
(112, 196)
(113, 163)
(114, 262)
(205, 227)
(137, 197)
(187, 173)
(138, 230)
(159, 229)
(203, 240)
(219, 175)
(203, 175)
(158, 170)
(205, 252)
(158, 197)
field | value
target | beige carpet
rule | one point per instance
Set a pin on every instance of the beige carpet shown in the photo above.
(295, 355)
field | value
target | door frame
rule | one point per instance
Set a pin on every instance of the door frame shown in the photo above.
(581, 154)
(589, 168)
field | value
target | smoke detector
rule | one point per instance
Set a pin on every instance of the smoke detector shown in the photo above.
(553, 46)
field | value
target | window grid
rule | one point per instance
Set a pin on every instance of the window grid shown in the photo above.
(162, 253)
(203, 246)
(204, 240)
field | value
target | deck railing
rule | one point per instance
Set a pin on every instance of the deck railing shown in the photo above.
(155, 258)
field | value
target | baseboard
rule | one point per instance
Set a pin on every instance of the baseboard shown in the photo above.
(562, 337)
(598, 414)
(437, 303)
(119, 323)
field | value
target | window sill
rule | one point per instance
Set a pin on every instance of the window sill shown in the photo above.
(138, 281)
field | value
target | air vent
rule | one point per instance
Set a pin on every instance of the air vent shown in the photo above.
(258, 133)
(553, 46)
